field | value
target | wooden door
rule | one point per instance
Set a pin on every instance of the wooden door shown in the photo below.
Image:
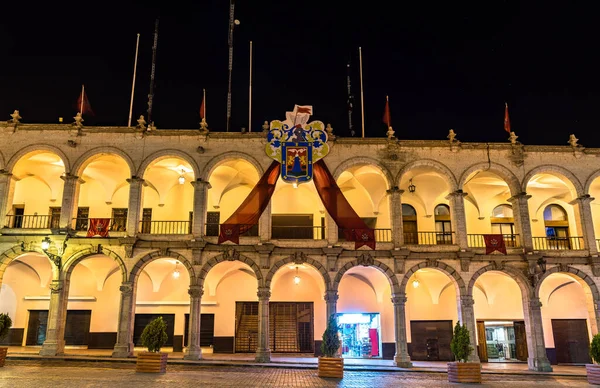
(431, 340)
(77, 327)
(571, 341)
(207, 329)
(147, 220)
(521, 341)
(119, 220)
(411, 236)
(54, 218)
(481, 343)
(212, 223)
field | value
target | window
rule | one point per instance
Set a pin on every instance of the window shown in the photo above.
(502, 211)
(557, 227)
(503, 223)
(443, 224)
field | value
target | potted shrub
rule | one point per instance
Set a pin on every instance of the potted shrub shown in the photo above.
(153, 338)
(462, 371)
(593, 370)
(5, 324)
(329, 364)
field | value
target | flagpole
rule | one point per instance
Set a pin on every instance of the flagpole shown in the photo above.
(387, 101)
(250, 94)
(82, 94)
(204, 102)
(152, 73)
(362, 97)
(137, 45)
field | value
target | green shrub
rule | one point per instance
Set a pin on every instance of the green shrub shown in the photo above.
(5, 324)
(331, 341)
(461, 343)
(595, 349)
(154, 335)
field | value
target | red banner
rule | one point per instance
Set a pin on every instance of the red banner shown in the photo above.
(494, 242)
(248, 213)
(339, 209)
(98, 227)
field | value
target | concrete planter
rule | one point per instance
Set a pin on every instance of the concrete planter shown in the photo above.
(593, 373)
(331, 367)
(3, 352)
(464, 372)
(150, 362)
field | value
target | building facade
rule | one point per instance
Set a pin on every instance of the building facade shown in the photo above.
(163, 194)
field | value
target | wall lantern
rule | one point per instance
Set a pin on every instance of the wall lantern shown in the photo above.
(411, 187)
(542, 264)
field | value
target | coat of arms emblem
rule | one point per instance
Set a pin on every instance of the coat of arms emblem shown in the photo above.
(297, 144)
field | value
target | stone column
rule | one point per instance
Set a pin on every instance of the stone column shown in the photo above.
(263, 352)
(522, 221)
(466, 315)
(193, 351)
(331, 230)
(7, 191)
(134, 211)
(331, 298)
(537, 358)
(585, 223)
(457, 215)
(200, 196)
(70, 199)
(124, 345)
(264, 224)
(401, 358)
(396, 216)
(57, 314)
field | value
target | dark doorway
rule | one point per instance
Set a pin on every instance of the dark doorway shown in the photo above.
(207, 329)
(83, 214)
(54, 218)
(141, 320)
(119, 220)
(213, 219)
(77, 328)
(19, 212)
(571, 341)
(36, 327)
(430, 340)
(521, 341)
(147, 220)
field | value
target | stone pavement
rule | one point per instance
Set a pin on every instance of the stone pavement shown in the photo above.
(58, 373)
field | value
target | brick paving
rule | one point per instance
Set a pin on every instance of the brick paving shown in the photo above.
(54, 374)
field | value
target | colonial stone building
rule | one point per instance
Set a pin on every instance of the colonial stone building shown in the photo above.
(154, 201)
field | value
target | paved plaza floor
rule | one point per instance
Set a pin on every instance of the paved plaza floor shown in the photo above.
(74, 374)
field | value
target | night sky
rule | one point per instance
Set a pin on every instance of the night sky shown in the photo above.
(443, 65)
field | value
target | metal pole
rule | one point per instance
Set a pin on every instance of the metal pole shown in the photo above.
(362, 97)
(137, 45)
(151, 93)
(82, 95)
(250, 94)
(231, 24)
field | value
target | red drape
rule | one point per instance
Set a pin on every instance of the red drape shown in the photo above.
(494, 242)
(248, 213)
(374, 338)
(98, 227)
(339, 209)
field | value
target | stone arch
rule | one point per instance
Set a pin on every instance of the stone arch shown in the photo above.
(434, 164)
(168, 153)
(162, 254)
(590, 180)
(573, 271)
(504, 173)
(445, 268)
(235, 256)
(363, 160)
(217, 160)
(2, 161)
(550, 168)
(514, 273)
(79, 256)
(38, 148)
(84, 160)
(13, 253)
(389, 274)
(290, 259)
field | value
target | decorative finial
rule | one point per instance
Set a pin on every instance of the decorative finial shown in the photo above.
(141, 122)
(265, 127)
(452, 136)
(204, 125)
(390, 133)
(15, 117)
(573, 141)
(329, 130)
(513, 138)
(78, 120)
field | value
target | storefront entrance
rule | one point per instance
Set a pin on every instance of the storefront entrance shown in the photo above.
(501, 341)
(360, 335)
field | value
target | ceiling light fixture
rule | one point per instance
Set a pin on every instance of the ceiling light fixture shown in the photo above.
(181, 177)
(295, 185)
(411, 187)
(297, 277)
(176, 273)
(416, 283)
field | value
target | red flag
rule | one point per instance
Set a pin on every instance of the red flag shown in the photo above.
(303, 109)
(506, 119)
(202, 112)
(386, 113)
(85, 107)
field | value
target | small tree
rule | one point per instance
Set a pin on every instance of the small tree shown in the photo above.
(154, 335)
(595, 349)
(5, 324)
(461, 343)
(331, 341)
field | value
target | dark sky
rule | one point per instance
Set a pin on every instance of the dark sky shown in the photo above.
(444, 65)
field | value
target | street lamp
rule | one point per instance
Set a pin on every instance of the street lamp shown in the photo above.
(56, 259)
(411, 187)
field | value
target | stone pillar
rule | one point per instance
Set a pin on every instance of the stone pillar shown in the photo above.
(466, 315)
(134, 211)
(263, 352)
(585, 223)
(537, 358)
(70, 199)
(7, 191)
(396, 216)
(401, 358)
(57, 314)
(457, 215)
(124, 345)
(264, 224)
(522, 221)
(200, 200)
(331, 298)
(193, 351)
(331, 231)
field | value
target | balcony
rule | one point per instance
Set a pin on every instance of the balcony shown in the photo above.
(557, 243)
(381, 234)
(428, 238)
(478, 241)
(213, 230)
(166, 227)
(298, 233)
(118, 224)
(31, 222)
